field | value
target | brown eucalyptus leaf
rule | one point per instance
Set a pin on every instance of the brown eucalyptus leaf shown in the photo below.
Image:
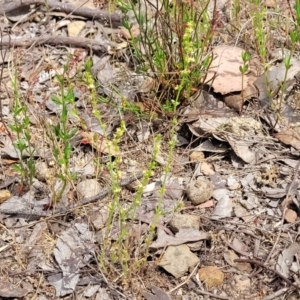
(289, 137)
(224, 73)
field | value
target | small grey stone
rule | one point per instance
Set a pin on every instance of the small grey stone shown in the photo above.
(179, 221)
(178, 259)
(88, 188)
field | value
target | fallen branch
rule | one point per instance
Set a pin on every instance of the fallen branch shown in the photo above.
(77, 42)
(113, 20)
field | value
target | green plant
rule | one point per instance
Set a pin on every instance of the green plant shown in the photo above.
(21, 127)
(244, 69)
(60, 133)
(294, 39)
(236, 9)
(258, 17)
(175, 40)
(117, 252)
(173, 48)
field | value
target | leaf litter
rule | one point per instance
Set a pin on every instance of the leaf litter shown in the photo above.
(240, 226)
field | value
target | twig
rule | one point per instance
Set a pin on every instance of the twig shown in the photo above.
(113, 20)
(183, 283)
(261, 264)
(212, 295)
(79, 42)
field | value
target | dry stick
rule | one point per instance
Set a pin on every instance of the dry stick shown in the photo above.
(59, 40)
(261, 264)
(288, 199)
(211, 295)
(113, 19)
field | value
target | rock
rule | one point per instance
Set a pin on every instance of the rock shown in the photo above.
(88, 188)
(290, 216)
(197, 156)
(199, 191)
(42, 172)
(99, 217)
(4, 195)
(233, 183)
(184, 221)
(211, 276)
(178, 259)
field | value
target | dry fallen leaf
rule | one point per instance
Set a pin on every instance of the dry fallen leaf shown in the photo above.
(183, 236)
(226, 68)
(207, 168)
(209, 203)
(98, 142)
(133, 33)
(286, 258)
(289, 137)
(159, 294)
